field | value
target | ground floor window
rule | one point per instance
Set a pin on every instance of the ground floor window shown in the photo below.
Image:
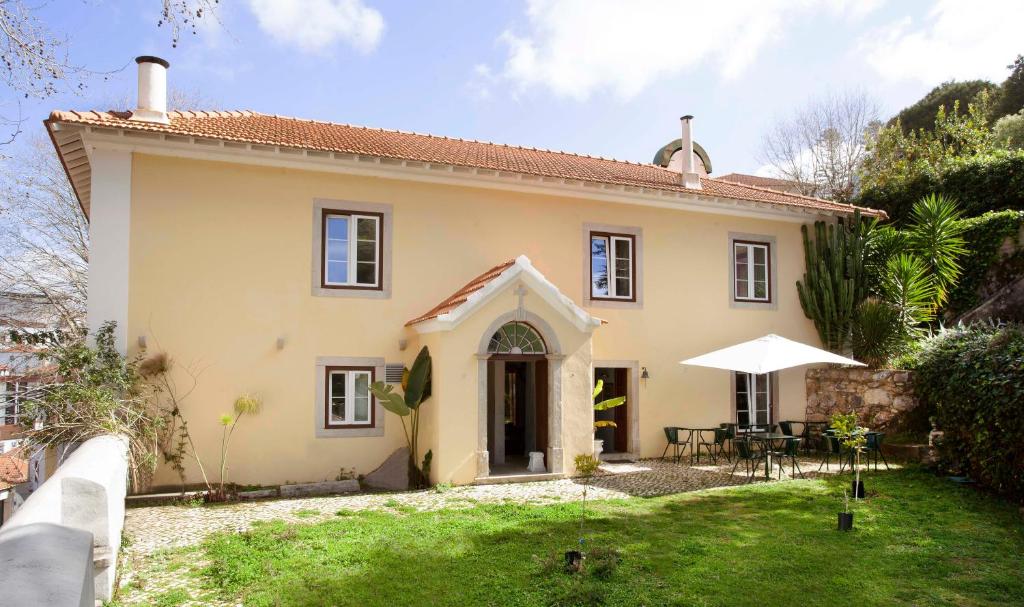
(753, 399)
(349, 403)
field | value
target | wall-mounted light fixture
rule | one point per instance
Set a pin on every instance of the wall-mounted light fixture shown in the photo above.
(142, 341)
(403, 344)
(280, 343)
(644, 374)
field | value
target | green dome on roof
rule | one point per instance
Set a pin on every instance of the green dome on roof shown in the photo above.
(664, 155)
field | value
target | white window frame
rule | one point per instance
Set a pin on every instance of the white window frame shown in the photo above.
(610, 241)
(350, 395)
(750, 247)
(353, 240)
(748, 382)
(13, 399)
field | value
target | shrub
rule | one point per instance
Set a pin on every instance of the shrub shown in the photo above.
(987, 182)
(877, 332)
(973, 379)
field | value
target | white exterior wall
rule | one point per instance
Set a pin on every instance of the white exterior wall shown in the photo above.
(109, 223)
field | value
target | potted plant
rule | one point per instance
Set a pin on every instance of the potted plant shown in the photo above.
(846, 517)
(604, 423)
(854, 438)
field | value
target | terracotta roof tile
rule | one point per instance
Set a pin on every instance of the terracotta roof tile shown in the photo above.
(265, 129)
(459, 297)
(13, 469)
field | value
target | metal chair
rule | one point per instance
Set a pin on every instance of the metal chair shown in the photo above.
(750, 456)
(713, 447)
(730, 438)
(790, 450)
(672, 436)
(835, 449)
(874, 448)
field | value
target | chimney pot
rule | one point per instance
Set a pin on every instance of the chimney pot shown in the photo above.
(152, 101)
(691, 179)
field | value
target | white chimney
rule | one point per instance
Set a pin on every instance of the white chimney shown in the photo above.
(690, 177)
(152, 105)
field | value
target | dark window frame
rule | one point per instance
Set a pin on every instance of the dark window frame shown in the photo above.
(768, 271)
(324, 215)
(327, 398)
(611, 265)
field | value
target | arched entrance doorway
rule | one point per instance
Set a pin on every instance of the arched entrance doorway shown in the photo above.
(517, 412)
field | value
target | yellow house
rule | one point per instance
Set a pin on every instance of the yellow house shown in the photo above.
(303, 260)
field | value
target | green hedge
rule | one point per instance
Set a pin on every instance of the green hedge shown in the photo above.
(984, 235)
(980, 184)
(973, 380)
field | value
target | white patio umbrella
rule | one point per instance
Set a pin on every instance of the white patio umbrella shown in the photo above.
(767, 354)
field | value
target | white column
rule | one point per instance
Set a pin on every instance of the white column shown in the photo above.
(109, 225)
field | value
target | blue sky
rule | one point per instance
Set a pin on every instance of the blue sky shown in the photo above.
(588, 76)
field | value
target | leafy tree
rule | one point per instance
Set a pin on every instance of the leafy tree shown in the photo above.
(1010, 98)
(921, 115)
(896, 157)
(1008, 131)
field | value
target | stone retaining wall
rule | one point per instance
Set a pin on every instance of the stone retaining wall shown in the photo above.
(878, 396)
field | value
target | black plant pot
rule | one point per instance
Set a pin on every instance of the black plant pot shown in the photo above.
(857, 488)
(573, 560)
(845, 521)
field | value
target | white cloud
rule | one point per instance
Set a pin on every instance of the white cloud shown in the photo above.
(956, 39)
(317, 25)
(578, 47)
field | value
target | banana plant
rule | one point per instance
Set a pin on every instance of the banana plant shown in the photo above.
(605, 404)
(415, 391)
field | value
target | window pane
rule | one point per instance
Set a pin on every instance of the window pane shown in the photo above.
(742, 417)
(362, 397)
(337, 272)
(759, 255)
(760, 273)
(366, 273)
(742, 288)
(366, 228)
(337, 228)
(622, 247)
(337, 397)
(599, 266)
(741, 254)
(622, 287)
(337, 250)
(760, 290)
(366, 251)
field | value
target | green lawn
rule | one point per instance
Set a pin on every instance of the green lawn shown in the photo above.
(919, 540)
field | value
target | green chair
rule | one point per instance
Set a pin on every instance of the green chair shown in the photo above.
(874, 448)
(835, 449)
(790, 450)
(750, 456)
(678, 446)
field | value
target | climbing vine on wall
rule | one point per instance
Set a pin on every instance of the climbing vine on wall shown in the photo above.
(984, 236)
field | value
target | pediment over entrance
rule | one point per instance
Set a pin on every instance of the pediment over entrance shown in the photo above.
(478, 292)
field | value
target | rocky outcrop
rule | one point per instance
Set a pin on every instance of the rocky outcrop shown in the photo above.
(880, 397)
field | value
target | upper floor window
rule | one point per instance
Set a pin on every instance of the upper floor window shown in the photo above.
(612, 266)
(352, 250)
(751, 271)
(15, 393)
(349, 402)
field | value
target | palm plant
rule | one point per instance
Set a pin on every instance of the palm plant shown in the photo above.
(416, 389)
(877, 332)
(935, 237)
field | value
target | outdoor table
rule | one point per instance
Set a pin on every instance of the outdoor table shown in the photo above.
(767, 438)
(695, 434)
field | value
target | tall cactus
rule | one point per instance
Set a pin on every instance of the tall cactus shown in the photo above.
(833, 284)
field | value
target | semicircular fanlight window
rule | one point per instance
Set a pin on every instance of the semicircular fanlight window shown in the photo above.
(516, 338)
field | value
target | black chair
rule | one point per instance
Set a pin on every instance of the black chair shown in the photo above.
(814, 437)
(713, 445)
(790, 449)
(672, 436)
(835, 449)
(750, 455)
(730, 438)
(874, 448)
